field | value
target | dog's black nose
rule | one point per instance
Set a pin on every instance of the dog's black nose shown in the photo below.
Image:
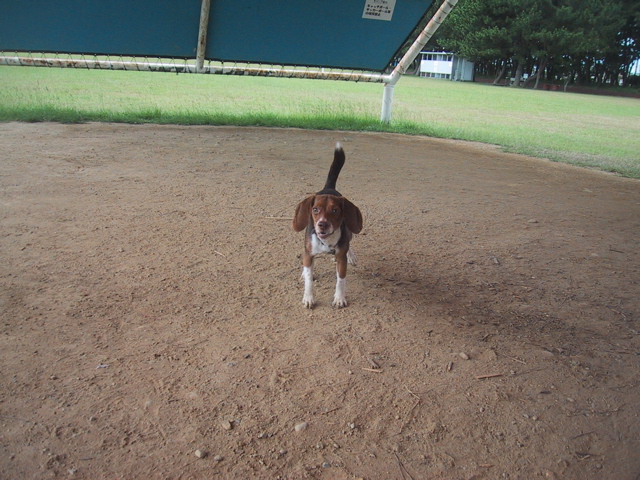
(322, 226)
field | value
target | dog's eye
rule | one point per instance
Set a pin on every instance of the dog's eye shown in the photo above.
(315, 210)
(335, 211)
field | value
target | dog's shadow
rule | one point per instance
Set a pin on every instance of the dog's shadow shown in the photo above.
(393, 279)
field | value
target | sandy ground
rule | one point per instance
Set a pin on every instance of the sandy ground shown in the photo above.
(151, 308)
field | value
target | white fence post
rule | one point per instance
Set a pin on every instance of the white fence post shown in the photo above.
(387, 101)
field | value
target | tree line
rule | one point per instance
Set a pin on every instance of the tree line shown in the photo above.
(583, 42)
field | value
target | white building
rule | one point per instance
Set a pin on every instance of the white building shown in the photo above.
(445, 65)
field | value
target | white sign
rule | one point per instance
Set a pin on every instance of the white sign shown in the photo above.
(379, 9)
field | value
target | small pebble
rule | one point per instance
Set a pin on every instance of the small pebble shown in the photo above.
(326, 465)
(217, 458)
(463, 356)
(226, 424)
(301, 426)
(200, 454)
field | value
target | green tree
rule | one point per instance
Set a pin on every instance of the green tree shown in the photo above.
(492, 30)
(572, 39)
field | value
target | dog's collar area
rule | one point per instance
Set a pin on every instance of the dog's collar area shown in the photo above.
(328, 246)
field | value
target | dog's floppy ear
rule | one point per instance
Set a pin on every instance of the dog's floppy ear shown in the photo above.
(303, 214)
(352, 216)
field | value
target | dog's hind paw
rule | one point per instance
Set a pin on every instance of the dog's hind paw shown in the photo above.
(352, 259)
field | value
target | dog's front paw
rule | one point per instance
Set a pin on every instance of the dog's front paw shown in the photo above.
(339, 301)
(308, 300)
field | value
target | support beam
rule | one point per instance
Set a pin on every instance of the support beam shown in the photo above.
(188, 66)
(202, 35)
(410, 56)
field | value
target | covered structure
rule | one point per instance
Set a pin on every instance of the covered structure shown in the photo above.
(271, 37)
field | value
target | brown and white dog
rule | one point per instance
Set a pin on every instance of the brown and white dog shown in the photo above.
(330, 221)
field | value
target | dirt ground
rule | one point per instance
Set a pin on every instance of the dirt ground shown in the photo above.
(153, 326)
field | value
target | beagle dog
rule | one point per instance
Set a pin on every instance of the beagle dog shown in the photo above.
(330, 221)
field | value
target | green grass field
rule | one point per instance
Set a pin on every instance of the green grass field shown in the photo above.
(587, 130)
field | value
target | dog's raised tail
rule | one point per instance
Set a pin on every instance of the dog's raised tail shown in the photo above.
(336, 166)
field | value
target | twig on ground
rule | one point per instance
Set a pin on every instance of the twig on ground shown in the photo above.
(582, 435)
(528, 371)
(585, 455)
(513, 358)
(332, 410)
(491, 375)
(373, 363)
(403, 469)
(405, 387)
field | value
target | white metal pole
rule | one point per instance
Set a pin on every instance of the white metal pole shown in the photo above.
(202, 35)
(411, 55)
(387, 101)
